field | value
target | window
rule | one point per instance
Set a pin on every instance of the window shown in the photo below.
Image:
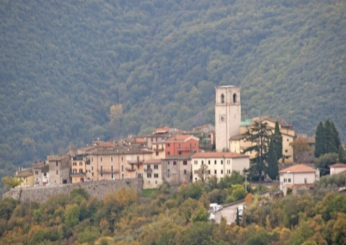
(57, 172)
(101, 169)
(208, 171)
(179, 152)
(122, 158)
(148, 175)
(157, 153)
(209, 162)
(221, 162)
(228, 162)
(168, 145)
(167, 162)
(195, 171)
(92, 167)
(156, 175)
(288, 140)
(111, 168)
(222, 98)
(305, 180)
(168, 153)
(100, 159)
(221, 171)
(156, 166)
(286, 151)
(215, 171)
(234, 98)
(56, 163)
(195, 179)
(80, 170)
(202, 162)
(215, 162)
(195, 162)
(92, 159)
(289, 180)
(122, 168)
(36, 172)
(92, 174)
(285, 180)
(74, 164)
(122, 176)
(185, 172)
(184, 162)
(74, 171)
(80, 163)
(44, 174)
(111, 159)
(228, 171)
(174, 163)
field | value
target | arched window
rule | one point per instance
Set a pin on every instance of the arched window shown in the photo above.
(222, 98)
(234, 98)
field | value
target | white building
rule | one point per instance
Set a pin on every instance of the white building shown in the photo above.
(298, 177)
(218, 164)
(227, 115)
(337, 168)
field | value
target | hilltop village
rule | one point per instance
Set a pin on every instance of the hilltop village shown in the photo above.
(175, 156)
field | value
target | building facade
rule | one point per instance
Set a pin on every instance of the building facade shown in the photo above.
(41, 173)
(59, 169)
(217, 164)
(26, 176)
(181, 145)
(176, 170)
(152, 177)
(227, 115)
(78, 169)
(297, 176)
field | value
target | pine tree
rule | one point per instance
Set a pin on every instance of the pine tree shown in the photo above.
(329, 137)
(272, 168)
(341, 155)
(319, 140)
(277, 140)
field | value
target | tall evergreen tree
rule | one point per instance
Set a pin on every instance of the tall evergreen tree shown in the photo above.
(260, 135)
(341, 155)
(329, 137)
(277, 141)
(319, 140)
(272, 160)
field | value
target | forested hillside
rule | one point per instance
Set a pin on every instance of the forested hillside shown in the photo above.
(64, 64)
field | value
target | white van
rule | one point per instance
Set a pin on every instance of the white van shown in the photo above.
(214, 207)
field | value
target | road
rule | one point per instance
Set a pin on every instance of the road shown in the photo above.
(229, 213)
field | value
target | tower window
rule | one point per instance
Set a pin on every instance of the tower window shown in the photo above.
(222, 98)
(234, 98)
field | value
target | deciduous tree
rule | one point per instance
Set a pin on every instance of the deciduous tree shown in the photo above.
(300, 146)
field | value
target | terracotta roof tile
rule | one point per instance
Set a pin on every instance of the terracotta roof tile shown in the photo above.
(299, 168)
(152, 161)
(338, 165)
(219, 155)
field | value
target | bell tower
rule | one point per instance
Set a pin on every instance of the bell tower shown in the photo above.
(227, 115)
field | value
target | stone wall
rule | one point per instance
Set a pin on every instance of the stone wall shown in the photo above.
(97, 189)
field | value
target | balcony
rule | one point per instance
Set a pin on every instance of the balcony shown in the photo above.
(108, 171)
(130, 169)
(78, 174)
(157, 149)
(138, 161)
(148, 170)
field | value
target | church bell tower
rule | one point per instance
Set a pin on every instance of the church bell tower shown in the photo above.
(227, 115)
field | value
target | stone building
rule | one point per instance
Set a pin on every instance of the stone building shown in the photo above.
(26, 176)
(152, 177)
(176, 169)
(59, 169)
(41, 173)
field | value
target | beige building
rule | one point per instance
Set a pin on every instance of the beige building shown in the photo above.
(41, 173)
(78, 169)
(119, 162)
(218, 164)
(158, 149)
(152, 177)
(59, 169)
(227, 115)
(297, 176)
(337, 168)
(238, 144)
(26, 176)
(176, 169)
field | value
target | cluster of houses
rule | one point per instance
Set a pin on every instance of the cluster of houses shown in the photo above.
(175, 156)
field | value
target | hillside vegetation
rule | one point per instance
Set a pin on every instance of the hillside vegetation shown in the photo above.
(72, 71)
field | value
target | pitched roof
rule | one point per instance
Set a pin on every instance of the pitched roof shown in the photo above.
(178, 157)
(237, 137)
(152, 161)
(25, 173)
(338, 165)
(299, 168)
(219, 155)
(161, 130)
(181, 138)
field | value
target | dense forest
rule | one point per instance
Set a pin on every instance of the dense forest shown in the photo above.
(170, 216)
(74, 71)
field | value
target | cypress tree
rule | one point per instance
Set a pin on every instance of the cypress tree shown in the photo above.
(336, 137)
(272, 169)
(341, 155)
(319, 140)
(277, 138)
(329, 138)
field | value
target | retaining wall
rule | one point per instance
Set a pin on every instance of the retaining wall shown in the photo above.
(97, 189)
